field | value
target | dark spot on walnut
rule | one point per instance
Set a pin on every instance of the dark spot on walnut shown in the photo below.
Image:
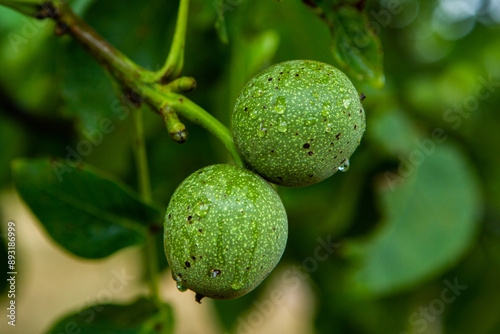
(194, 258)
(355, 126)
(216, 272)
(280, 178)
(246, 108)
(297, 75)
(270, 79)
(198, 297)
(310, 153)
(188, 264)
(338, 135)
(311, 175)
(306, 145)
(200, 230)
(190, 217)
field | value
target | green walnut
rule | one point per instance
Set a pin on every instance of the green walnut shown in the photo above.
(225, 230)
(298, 122)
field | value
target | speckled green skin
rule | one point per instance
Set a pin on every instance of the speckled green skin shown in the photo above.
(297, 122)
(225, 230)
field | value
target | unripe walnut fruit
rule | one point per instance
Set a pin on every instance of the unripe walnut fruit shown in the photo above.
(298, 122)
(225, 230)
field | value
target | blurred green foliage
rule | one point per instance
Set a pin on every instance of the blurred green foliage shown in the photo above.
(419, 208)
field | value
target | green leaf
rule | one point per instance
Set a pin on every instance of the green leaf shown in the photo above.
(12, 142)
(429, 221)
(83, 210)
(220, 22)
(142, 317)
(355, 46)
(393, 132)
(29, 8)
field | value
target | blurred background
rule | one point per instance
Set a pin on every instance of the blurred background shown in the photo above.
(407, 241)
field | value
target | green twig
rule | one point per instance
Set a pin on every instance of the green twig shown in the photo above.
(150, 256)
(176, 129)
(175, 60)
(141, 156)
(137, 80)
(192, 112)
(125, 71)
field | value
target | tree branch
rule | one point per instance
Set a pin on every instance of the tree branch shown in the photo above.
(137, 80)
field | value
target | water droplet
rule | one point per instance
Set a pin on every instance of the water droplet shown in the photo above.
(258, 93)
(282, 125)
(329, 127)
(253, 114)
(180, 286)
(280, 105)
(345, 166)
(310, 121)
(203, 209)
(326, 109)
(347, 103)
